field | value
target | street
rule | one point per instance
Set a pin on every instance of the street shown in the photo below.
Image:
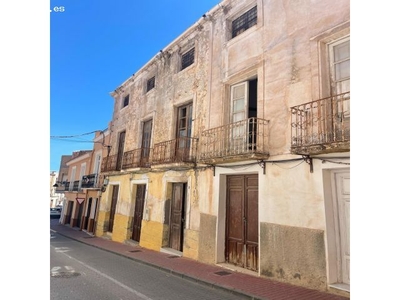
(80, 271)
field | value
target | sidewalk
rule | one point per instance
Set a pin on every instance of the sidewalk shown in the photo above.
(218, 277)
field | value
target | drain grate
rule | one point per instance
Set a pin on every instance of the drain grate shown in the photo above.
(133, 251)
(222, 273)
(64, 274)
(88, 237)
(173, 256)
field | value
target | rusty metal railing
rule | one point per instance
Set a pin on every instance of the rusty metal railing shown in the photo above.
(109, 163)
(181, 149)
(248, 136)
(321, 121)
(136, 158)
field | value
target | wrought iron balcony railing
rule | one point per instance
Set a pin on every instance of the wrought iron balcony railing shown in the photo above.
(235, 140)
(75, 187)
(109, 163)
(181, 149)
(90, 181)
(138, 158)
(322, 125)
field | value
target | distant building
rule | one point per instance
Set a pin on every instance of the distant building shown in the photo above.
(55, 198)
(83, 183)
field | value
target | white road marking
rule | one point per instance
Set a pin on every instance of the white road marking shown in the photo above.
(61, 249)
(108, 277)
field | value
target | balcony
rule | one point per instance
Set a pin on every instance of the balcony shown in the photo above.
(138, 158)
(109, 164)
(321, 126)
(90, 181)
(75, 186)
(181, 149)
(242, 140)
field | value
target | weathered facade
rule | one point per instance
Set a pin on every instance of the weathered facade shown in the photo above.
(232, 145)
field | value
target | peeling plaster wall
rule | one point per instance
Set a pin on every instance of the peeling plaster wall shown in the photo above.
(285, 52)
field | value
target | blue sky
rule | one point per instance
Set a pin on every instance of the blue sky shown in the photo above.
(94, 47)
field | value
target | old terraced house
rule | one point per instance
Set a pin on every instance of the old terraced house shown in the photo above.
(232, 145)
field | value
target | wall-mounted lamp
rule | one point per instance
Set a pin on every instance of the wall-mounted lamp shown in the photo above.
(105, 183)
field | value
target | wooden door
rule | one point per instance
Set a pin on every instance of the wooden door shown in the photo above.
(177, 220)
(146, 143)
(87, 214)
(120, 154)
(138, 214)
(70, 206)
(114, 200)
(184, 132)
(80, 213)
(242, 221)
(342, 186)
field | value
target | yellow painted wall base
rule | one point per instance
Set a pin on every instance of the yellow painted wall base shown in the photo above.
(151, 235)
(120, 232)
(102, 223)
(191, 244)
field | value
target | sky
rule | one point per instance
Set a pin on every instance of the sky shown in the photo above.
(94, 47)
(53, 65)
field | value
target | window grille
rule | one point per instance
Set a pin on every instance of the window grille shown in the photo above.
(187, 59)
(151, 83)
(244, 22)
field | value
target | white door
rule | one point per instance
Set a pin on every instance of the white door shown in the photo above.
(340, 74)
(72, 178)
(342, 212)
(96, 168)
(239, 104)
(83, 173)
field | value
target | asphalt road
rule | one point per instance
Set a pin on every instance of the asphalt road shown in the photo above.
(82, 272)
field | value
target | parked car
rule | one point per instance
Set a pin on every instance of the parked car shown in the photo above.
(55, 213)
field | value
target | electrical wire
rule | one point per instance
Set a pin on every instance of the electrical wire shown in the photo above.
(72, 136)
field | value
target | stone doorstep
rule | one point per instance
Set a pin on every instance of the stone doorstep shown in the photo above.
(171, 251)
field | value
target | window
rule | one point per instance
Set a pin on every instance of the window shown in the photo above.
(146, 141)
(187, 59)
(340, 66)
(244, 22)
(151, 83)
(126, 101)
(184, 131)
(184, 121)
(339, 55)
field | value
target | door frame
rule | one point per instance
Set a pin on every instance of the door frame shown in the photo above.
(219, 192)
(245, 216)
(332, 241)
(134, 204)
(183, 215)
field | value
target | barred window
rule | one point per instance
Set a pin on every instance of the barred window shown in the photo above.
(187, 59)
(126, 101)
(151, 83)
(244, 22)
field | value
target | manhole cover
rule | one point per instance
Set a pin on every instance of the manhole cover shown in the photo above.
(64, 274)
(222, 273)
